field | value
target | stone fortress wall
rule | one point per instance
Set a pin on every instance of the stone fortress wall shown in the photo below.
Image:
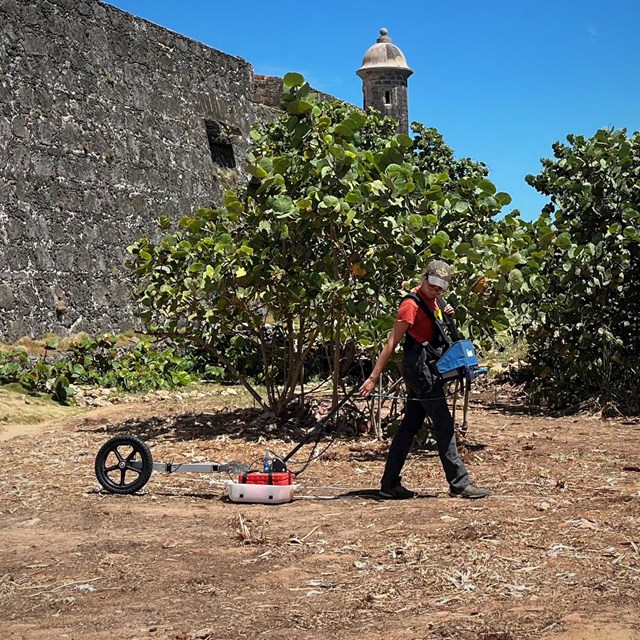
(106, 122)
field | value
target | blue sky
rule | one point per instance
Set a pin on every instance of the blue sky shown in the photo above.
(501, 80)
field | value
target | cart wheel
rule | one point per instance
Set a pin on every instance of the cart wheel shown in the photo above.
(124, 465)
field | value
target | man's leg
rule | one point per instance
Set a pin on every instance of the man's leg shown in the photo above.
(402, 441)
(438, 411)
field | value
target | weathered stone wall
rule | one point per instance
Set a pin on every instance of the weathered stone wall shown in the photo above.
(106, 121)
(267, 90)
(387, 92)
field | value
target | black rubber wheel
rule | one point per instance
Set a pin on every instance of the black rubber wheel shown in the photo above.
(124, 465)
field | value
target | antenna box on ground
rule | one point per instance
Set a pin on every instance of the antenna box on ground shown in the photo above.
(261, 493)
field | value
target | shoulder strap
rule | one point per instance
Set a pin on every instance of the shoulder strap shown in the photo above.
(421, 303)
(449, 321)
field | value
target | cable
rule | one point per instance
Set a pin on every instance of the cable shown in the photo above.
(314, 456)
(381, 395)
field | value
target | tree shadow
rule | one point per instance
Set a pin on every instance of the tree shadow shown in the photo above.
(368, 456)
(519, 409)
(518, 405)
(373, 494)
(248, 424)
(463, 443)
(237, 424)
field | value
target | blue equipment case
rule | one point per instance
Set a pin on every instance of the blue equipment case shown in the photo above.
(460, 360)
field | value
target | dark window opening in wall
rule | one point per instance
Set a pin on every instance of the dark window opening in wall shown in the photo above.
(387, 97)
(221, 149)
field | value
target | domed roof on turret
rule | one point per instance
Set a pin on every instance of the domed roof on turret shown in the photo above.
(384, 55)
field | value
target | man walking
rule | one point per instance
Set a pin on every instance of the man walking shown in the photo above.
(416, 323)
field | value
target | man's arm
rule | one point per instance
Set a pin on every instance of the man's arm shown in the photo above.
(398, 331)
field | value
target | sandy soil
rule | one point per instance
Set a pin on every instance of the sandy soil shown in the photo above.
(553, 553)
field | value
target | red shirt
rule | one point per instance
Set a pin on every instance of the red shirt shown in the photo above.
(421, 327)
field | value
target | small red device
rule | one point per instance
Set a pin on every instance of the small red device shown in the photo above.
(258, 477)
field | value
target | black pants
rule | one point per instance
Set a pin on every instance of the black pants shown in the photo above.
(420, 384)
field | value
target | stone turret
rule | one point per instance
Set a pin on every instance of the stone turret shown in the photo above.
(384, 74)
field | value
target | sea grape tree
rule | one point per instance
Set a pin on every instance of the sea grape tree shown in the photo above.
(584, 337)
(337, 212)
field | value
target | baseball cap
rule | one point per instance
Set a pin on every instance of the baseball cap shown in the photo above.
(438, 274)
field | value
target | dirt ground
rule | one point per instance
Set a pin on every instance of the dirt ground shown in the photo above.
(553, 553)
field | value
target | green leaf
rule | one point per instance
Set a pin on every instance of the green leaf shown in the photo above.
(337, 151)
(487, 186)
(563, 241)
(281, 164)
(437, 244)
(297, 107)
(632, 233)
(292, 80)
(235, 207)
(352, 124)
(256, 171)
(404, 140)
(416, 221)
(282, 204)
(353, 197)
(478, 241)
(304, 203)
(343, 131)
(462, 248)
(516, 279)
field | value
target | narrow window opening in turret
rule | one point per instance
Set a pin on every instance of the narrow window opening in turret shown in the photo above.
(222, 152)
(387, 97)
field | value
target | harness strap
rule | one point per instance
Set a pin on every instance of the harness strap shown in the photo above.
(439, 325)
(448, 321)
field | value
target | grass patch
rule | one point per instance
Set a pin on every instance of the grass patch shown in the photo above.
(505, 353)
(17, 406)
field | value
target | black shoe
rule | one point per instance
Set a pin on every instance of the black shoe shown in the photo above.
(470, 492)
(397, 492)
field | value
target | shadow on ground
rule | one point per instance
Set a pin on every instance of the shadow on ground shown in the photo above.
(248, 425)
(243, 424)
